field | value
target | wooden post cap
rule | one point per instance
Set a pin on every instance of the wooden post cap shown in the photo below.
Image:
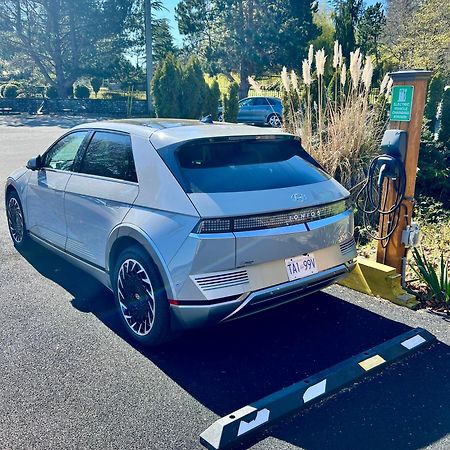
(410, 75)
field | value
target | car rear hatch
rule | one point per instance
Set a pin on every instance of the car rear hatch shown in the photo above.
(265, 190)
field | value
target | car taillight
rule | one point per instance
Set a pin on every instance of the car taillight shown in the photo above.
(214, 226)
(275, 220)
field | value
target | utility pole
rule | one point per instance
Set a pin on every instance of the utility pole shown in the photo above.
(148, 51)
(406, 114)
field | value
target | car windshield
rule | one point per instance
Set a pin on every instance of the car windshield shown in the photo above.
(244, 165)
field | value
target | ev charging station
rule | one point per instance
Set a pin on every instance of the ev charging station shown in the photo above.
(388, 192)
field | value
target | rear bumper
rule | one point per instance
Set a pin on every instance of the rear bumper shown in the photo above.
(197, 314)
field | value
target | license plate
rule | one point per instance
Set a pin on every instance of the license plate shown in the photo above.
(301, 266)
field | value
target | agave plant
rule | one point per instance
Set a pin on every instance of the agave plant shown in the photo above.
(438, 284)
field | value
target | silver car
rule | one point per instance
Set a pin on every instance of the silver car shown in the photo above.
(259, 110)
(187, 223)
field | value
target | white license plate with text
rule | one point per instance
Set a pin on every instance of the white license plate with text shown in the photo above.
(301, 266)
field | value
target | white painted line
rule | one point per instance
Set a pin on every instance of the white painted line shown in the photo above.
(261, 417)
(413, 342)
(314, 391)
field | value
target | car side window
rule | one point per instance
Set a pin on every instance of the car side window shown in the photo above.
(259, 102)
(246, 102)
(62, 155)
(109, 155)
(272, 101)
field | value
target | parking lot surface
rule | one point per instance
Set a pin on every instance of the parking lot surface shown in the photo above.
(70, 378)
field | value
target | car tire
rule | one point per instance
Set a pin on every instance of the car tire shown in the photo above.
(274, 120)
(16, 221)
(140, 297)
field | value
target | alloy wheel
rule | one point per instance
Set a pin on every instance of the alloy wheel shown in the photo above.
(136, 297)
(274, 121)
(15, 220)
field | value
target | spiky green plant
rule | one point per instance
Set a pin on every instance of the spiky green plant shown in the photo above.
(438, 284)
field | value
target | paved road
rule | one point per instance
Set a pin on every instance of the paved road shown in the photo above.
(71, 379)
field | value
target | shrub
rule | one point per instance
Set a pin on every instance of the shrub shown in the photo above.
(96, 84)
(10, 91)
(193, 90)
(82, 91)
(433, 176)
(435, 91)
(212, 100)
(231, 103)
(444, 132)
(166, 88)
(51, 92)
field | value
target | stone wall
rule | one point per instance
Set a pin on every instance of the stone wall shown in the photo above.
(76, 106)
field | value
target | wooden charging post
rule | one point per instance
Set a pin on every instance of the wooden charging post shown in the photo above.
(406, 114)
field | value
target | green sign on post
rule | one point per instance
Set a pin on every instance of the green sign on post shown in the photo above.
(401, 106)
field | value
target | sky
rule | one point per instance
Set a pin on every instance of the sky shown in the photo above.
(169, 12)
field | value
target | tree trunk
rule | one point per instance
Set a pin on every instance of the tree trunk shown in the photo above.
(53, 14)
(246, 19)
(244, 86)
(74, 48)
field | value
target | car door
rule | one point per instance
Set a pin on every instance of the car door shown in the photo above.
(45, 191)
(259, 110)
(99, 194)
(244, 110)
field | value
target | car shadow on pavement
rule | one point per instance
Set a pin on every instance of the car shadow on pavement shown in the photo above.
(230, 365)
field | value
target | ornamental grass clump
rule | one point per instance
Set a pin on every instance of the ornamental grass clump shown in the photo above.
(340, 122)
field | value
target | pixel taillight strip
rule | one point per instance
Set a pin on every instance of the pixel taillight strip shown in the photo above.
(251, 418)
(273, 220)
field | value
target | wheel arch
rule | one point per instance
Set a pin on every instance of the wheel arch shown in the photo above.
(11, 187)
(18, 184)
(124, 236)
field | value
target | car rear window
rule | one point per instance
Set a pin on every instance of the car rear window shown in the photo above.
(244, 165)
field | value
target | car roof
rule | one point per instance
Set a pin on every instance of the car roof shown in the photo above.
(163, 132)
(263, 96)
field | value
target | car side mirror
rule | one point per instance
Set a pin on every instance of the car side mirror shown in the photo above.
(35, 163)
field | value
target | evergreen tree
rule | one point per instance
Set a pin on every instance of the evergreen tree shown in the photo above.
(444, 133)
(162, 40)
(231, 103)
(193, 90)
(166, 88)
(212, 100)
(346, 16)
(247, 36)
(370, 29)
(435, 92)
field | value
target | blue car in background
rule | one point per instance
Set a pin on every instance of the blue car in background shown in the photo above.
(259, 110)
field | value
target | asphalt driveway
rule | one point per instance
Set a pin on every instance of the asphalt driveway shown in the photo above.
(70, 378)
